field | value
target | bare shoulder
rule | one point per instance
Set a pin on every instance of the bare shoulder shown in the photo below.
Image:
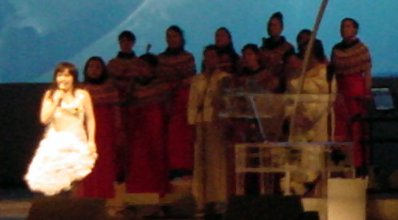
(47, 93)
(82, 93)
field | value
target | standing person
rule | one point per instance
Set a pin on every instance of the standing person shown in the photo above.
(210, 171)
(229, 59)
(148, 166)
(351, 65)
(302, 40)
(67, 152)
(311, 116)
(123, 69)
(177, 66)
(99, 183)
(254, 78)
(275, 48)
(315, 83)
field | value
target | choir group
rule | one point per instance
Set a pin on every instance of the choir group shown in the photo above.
(157, 116)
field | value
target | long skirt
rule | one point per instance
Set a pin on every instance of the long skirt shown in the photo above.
(180, 135)
(350, 106)
(60, 160)
(147, 171)
(210, 169)
(99, 183)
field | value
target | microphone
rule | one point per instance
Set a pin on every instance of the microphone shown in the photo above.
(58, 96)
(148, 47)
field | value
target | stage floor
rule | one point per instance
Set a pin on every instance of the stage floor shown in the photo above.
(16, 203)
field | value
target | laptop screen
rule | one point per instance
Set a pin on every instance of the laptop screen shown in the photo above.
(383, 99)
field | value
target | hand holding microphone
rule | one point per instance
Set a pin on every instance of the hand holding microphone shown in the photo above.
(58, 96)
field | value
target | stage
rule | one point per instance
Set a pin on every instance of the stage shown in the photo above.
(21, 131)
(16, 203)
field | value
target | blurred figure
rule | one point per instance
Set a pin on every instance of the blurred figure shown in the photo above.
(316, 76)
(254, 77)
(176, 67)
(275, 48)
(148, 158)
(311, 114)
(99, 184)
(351, 65)
(109, 134)
(67, 152)
(315, 82)
(123, 70)
(229, 59)
(302, 40)
(210, 172)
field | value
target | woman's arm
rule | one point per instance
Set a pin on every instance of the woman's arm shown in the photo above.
(90, 120)
(49, 104)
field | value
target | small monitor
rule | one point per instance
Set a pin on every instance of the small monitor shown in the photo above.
(383, 99)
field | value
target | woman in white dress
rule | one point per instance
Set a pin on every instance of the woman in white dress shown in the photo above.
(311, 116)
(67, 152)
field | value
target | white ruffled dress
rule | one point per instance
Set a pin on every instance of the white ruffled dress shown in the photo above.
(63, 155)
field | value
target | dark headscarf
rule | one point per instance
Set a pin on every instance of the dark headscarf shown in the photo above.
(176, 51)
(278, 16)
(228, 49)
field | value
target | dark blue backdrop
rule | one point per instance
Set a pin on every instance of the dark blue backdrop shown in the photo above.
(36, 34)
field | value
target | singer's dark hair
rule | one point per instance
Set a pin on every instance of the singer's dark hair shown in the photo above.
(60, 67)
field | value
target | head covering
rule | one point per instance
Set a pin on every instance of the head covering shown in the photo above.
(181, 48)
(277, 15)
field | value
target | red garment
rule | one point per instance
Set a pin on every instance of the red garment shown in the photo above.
(99, 183)
(349, 107)
(351, 63)
(176, 67)
(147, 169)
(122, 149)
(180, 135)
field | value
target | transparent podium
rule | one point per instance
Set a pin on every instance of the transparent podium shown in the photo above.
(297, 168)
(284, 141)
